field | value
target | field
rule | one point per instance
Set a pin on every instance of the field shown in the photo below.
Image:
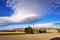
(43, 36)
(11, 33)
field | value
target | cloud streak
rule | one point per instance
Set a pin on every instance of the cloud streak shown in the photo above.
(22, 13)
(49, 25)
(26, 12)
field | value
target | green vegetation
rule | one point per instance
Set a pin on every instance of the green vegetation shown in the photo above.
(42, 31)
(58, 30)
(28, 30)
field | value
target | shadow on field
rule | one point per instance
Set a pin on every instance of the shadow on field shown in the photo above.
(56, 38)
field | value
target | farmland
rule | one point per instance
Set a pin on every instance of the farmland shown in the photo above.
(11, 33)
(41, 36)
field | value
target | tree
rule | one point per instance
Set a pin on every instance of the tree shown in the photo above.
(58, 30)
(42, 31)
(45, 31)
(28, 30)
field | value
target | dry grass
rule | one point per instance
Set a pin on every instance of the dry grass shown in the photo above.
(10, 33)
(43, 36)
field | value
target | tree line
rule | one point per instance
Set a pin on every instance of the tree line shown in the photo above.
(30, 30)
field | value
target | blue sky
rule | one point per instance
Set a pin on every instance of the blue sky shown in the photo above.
(23, 13)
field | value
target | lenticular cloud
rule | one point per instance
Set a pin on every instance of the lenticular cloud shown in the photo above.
(26, 11)
(22, 13)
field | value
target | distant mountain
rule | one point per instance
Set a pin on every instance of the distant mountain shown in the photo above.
(19, 29)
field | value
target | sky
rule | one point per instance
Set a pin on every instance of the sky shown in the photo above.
(34, 13)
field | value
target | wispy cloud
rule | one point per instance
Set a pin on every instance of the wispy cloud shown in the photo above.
(22, 13)
(48, 25)
(27, 11)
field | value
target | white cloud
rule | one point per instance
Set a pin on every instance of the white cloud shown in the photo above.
(19, 12)
(22, 12)
(48, 25)
(45, 25)
(25, 11)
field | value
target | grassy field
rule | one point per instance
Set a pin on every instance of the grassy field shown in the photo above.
(44, 36)
(11, 33)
